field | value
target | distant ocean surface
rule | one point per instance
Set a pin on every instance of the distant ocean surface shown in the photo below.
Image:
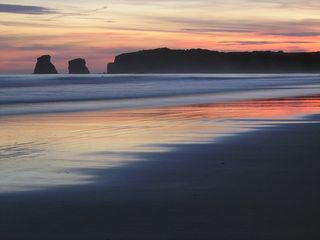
(32, 94)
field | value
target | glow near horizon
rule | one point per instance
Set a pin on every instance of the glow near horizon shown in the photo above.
(98, 30)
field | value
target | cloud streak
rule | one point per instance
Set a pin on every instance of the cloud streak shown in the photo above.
(263, 42)
(81, 13)
(288, 28)
(296, 34)
(25, 9)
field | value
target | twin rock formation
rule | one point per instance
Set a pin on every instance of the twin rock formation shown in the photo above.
(44, 66)
(165, 60)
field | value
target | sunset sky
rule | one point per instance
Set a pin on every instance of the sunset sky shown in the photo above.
(97, 30)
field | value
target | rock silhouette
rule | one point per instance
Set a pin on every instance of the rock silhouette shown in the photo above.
(78, 66)
(164, 60)
(44, 66)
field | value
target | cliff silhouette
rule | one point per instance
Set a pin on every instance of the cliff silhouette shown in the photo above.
(164, 60)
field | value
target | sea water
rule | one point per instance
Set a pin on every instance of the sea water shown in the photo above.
(57, 130)
(29, 94)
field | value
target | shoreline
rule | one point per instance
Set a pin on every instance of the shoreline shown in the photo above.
(257, 185)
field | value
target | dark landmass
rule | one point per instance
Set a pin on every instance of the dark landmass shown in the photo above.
(78, 66)
(164, 60)
(44, 66)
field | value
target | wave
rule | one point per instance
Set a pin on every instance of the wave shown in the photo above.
(29, 94)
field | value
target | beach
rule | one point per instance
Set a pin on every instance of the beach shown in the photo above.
(230, 167)
(160, 120)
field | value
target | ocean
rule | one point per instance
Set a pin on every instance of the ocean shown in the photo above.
(34, 94)
(59, 130)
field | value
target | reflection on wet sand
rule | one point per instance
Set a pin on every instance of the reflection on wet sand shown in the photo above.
(40, 151)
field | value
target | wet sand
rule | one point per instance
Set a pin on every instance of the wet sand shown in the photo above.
(262, 184)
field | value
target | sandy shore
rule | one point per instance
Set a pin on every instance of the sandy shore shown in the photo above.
(257, 185)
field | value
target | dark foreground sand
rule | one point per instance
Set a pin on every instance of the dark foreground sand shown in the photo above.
(258, 185)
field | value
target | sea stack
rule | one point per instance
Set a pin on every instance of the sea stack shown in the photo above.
(44, 66)
(78, 66)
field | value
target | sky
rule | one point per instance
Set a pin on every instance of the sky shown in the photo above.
(98, 30)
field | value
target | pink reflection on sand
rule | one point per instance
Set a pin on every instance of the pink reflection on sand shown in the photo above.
(40, 151)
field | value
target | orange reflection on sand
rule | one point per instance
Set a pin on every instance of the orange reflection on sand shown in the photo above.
(46, 150)
(271, 108)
